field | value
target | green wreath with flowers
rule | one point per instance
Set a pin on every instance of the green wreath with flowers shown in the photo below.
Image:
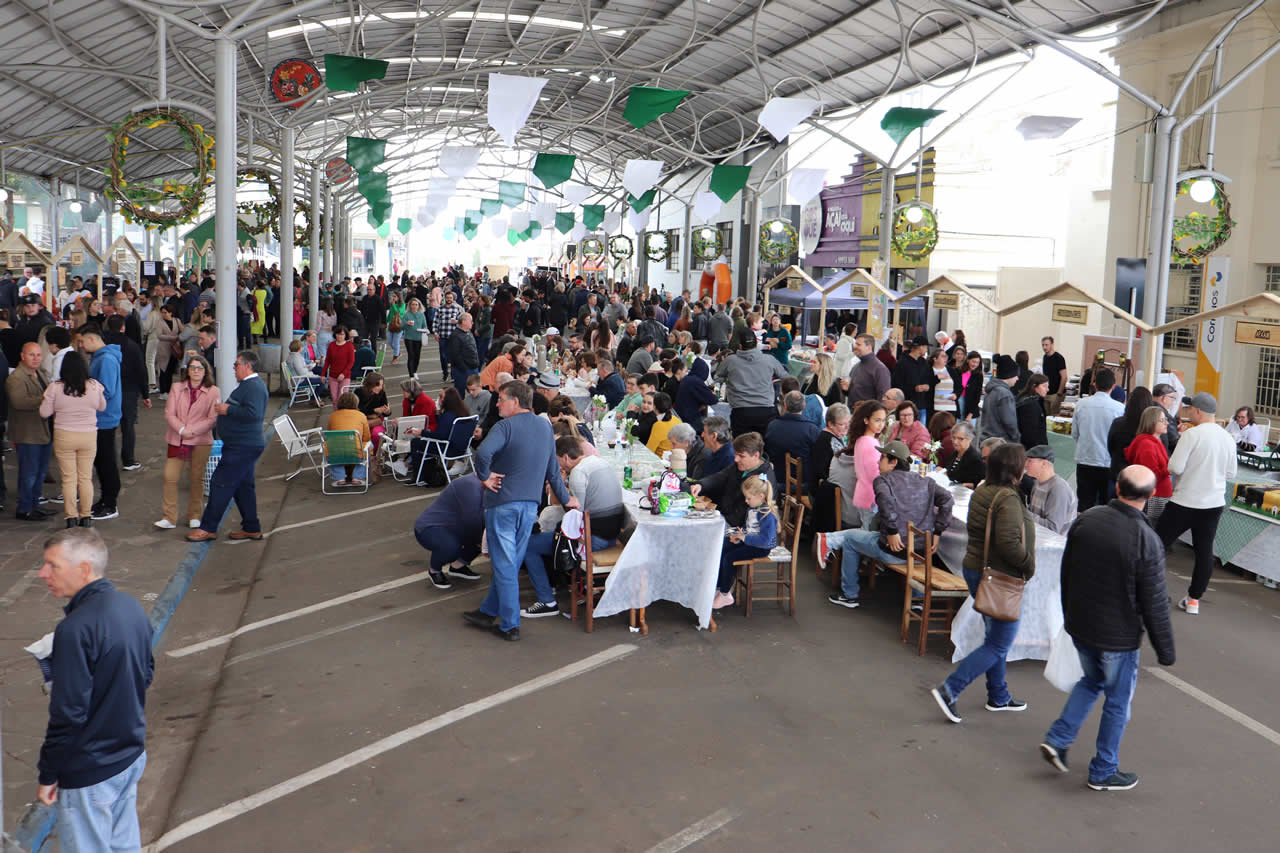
(301, 233)
(915, 240)
(707, 248)
(140, 201)
(592, 247)
(262, 216)
(656, 246)
(1207, 232)
(621, 248)
(778, 247)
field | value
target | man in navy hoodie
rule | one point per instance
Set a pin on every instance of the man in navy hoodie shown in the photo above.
(104, 366)
(240, 425)
(94, 749)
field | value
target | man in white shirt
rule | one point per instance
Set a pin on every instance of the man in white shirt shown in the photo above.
(1089, 427)
(33, 284)
(1203, 462)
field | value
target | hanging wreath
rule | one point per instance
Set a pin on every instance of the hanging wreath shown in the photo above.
(656, 246)
(259, 216)
(140, 202)
(915, 240)
(1206, 233)
(777, 247)
(301, 233)
(621, 248)
(592, 247)
(707, 248)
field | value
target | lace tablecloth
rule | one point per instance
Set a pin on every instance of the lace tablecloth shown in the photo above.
(1041, 622)
(666, 559)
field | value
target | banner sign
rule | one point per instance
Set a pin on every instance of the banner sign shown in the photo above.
(1217, 274)
(945, 299)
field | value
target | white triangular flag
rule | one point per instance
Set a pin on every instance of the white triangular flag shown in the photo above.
(706, 205)
(545, 215)
(579, 231)
(436, 204)
(442, 187)
(457, 161)
(498, 227)
(804, 184)
(511, 100)
(612, 221)
(638, 221)
(519, 220)
(640, 175)
(1045, 127)
(425, 216)
(781, 115)
(575, 194)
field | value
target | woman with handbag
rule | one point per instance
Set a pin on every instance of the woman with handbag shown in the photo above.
(395, 326)
(189, 416)
(999, 561)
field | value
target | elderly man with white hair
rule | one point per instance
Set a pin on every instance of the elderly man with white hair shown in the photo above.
(683, 437)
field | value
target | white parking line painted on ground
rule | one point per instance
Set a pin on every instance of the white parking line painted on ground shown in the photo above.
(338, 629)
(1216, 580)
(374, 508)
(693, 834)
(352, 759)
(1221, 707)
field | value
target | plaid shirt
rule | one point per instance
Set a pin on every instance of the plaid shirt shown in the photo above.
(446, 320)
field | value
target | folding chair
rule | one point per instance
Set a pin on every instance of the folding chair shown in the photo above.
(397, 434)
(301, 445)
(299, 388)
(456, 449)
(377, 364)
(343, 447)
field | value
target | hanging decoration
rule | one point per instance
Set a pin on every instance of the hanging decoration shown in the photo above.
(706, 205)
(898, 122)
(564, 222)
(707, 244)
(915, 240)
(641, 203)
(1205, 233)
(781, 115)
(656, 246)
(511, 101)
(621, 248)
(728, 181)
(646, 103)
(592, 215)
(404, 225)
(257, 217)
(458, 161)
(301, 233)
(778, 241)
(138, 201)
(364, 154)
(553, 169)
(346, 73)
(592, 248)
(293, 80)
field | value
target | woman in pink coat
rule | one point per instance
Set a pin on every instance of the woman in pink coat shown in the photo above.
(909, 430)
(190, 416)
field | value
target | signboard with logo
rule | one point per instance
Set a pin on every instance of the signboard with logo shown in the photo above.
(1217, 273)
(1066, 312)
(15, 260)
(811, 225)
(77, 257)
(1258, 334)
(795, 283)
(945, 300)
(858, 291)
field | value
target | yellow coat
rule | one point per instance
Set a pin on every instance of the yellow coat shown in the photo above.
(658, 441)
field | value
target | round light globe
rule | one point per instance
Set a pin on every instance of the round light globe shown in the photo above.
(708, 234)
(776, 226)
(75, 207)
(1203, 190)
(914, 214)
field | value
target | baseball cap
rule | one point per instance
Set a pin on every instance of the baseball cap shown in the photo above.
(1204, 401)
(898, 451)
(919, 341)
(548, 380)
(30, 299)
(1041, 451)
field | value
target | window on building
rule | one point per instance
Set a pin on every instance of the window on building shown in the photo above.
(1267, 397)
(673, 250)
(1184, 300)
(1195, 138)
(726, 238)
(1271, 283)
(362, 251)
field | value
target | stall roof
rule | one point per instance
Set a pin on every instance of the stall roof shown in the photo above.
(842, 298)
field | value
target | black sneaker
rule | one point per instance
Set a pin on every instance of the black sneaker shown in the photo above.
(43, 500)
(438, 580)
(946, 703)
(463, 573)
(539, 609)
(843, 600)
(512, 636)
(478, 618)
(1056, 757)
(34, 515)
(105, 512)
(132, 466)
(1118, 781)
(1011, 705)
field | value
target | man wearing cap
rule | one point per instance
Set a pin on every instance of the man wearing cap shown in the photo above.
(748, 376)
(915, 377)
(641, 358)
(903, 498)
(34, 318)
(546, 387)
(999, 408)
(1203, 463)
(1052, 501)
(1090, 427)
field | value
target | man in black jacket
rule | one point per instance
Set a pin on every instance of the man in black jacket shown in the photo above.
(1112, 587)
(915, 377)
(464, 359)
(725, 486)
(94, 749)
(134, 385)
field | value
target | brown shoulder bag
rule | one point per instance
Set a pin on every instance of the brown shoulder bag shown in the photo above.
(999, 595)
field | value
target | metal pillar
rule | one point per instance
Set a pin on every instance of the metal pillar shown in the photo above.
(55, 196)
(314, 306)
(686, 253)
(286, 238)
(109, 211)
(329, 231)
(886, 217)
(224, 184)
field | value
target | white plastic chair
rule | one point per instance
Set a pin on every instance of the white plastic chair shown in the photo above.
(298, 388)
(300, 444)
(456, 449)
(398, 430)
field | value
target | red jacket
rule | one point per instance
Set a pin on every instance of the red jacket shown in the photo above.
(423, 405)
(339, 360)
(1149, 451)
(504, 318)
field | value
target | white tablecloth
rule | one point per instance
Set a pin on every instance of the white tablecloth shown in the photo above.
(1041, 622)
(666, 559)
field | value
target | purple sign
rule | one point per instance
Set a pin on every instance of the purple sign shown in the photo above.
(841, 243)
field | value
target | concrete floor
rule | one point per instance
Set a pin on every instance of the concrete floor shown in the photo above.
(814, 733)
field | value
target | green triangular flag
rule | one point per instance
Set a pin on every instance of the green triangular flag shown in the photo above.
(645, 103)
(531, 232)
(404, 225)
(564, 222)
(381, 209)
(384, 230)
(475, 216)
(511, 193)
(592, 215)
(728, 181)
(900, 121)
(346, 73)
(490, 206)
(553, 169)
(373, 186)
(470, 230)
(639, 204)
(513, 236)
(364, 154)
(373, 220)
(448, 233)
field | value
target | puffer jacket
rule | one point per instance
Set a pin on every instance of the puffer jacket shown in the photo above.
(906, 498)
(1113, 582)
(1010, 553)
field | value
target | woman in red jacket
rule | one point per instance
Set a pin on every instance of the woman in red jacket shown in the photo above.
(417, 402)
(1147, 449)
(338, 362)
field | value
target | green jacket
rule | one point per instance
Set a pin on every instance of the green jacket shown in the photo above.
(1009, 554)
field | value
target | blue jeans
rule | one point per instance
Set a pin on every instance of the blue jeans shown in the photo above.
(508, 526)
(233, 479)
(102, 818)
(393, 342)
(867, 544)
(339, 472)
(540, 546)
(1116, 675)
(444, 357)
(33, 464)
(730, 553)
(988, 658)
(445, 546)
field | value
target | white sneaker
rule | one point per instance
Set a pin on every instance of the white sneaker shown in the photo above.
(165, 524)
(457, 469)
(1191, 605)
(193, 523)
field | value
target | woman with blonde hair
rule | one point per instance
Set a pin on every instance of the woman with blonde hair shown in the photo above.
(189, 417)
(823, 382)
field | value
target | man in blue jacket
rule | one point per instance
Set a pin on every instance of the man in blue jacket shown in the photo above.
(240, 425)
(94, 749)
(104, 366)
(451, 529)
(610, 384)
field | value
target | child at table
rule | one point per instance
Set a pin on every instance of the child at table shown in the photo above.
(757, 539)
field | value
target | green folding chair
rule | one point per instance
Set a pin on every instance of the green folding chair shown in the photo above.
(343, 447)
(377, 364)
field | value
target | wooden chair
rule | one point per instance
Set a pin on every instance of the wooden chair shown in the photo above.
(780, 563)
(589, 578)
(793, 481)
(943, 591)
(837, 557)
